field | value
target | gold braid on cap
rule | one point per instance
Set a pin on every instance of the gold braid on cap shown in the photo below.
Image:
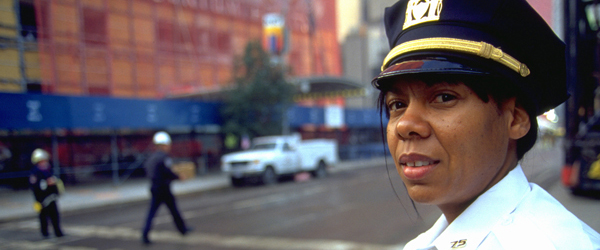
(481, 49)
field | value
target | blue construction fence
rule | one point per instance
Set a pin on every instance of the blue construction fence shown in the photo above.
(38, 112)
(31, 120)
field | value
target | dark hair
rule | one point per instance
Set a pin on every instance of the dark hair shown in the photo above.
(486, 88)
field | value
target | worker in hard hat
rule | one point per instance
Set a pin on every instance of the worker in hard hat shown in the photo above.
(158, 168)
(45, 188)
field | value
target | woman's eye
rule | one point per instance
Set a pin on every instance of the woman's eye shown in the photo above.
(444, 98)
(395, 105)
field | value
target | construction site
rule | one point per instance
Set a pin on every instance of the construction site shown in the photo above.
(91, 80)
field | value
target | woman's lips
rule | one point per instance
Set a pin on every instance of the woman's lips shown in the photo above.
(416, 167)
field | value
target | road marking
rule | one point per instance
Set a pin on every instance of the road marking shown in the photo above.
(193, 239)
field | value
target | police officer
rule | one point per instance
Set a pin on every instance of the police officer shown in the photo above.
(462, 86)
(158, 167)
(45, 188)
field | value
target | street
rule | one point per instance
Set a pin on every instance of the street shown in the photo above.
(348, 210)
(354, 209)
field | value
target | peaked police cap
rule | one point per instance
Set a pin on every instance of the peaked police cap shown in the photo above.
(502, 38)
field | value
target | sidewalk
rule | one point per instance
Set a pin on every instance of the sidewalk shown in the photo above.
(19, 204)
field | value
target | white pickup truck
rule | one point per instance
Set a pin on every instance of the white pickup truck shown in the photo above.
(274, 156)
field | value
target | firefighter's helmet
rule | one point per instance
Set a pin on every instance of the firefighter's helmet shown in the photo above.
(39, 155)
(161, 138)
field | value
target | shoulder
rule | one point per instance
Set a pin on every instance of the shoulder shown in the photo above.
(156, 157)
(426, 239)
(36, 173)
(34, 170)
(541, 222)
(168, 162)
(161, 156)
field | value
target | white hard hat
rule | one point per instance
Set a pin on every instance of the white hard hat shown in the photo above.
(39, 155)
(161, 137)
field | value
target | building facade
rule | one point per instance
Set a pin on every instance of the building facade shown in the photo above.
(152, 48)
(91, 80)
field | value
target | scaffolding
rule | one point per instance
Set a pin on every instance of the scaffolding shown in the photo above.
(19, 60)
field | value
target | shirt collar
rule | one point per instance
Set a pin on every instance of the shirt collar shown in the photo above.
(476, 222)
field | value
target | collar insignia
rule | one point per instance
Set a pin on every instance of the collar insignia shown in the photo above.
(420, 11)
(459, 244)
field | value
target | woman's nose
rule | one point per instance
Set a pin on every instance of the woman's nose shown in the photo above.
(413, 124)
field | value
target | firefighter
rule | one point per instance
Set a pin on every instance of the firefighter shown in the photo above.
(158, 167)
(462, 86)
(45, 187)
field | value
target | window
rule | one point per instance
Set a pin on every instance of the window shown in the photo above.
(28, 21)
(223, 42)
(165, 35)
(94, 26)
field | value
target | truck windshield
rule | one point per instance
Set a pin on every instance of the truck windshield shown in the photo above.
(264, 146)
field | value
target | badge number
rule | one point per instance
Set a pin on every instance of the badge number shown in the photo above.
(420, 11)
(458, 244)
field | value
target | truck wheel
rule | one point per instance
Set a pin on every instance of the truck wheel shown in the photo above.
(237, 182)
(269, 177)
(321, 171)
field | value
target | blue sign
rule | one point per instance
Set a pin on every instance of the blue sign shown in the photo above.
(353, 118)
(299, 116)
(364, 118)
(34, 111)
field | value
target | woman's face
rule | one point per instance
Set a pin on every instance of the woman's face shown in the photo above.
(448, 145)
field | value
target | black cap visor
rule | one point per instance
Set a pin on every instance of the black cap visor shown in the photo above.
(426, 65)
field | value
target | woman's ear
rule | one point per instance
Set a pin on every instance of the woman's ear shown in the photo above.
(520, 123)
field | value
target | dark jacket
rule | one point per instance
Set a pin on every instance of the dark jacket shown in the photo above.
(44, 193)
(158, 168)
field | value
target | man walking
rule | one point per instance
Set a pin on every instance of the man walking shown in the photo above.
(158, 168)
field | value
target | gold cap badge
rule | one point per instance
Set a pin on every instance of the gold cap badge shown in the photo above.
(420, 11)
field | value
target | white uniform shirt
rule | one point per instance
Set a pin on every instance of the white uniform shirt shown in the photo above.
(513, 214)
